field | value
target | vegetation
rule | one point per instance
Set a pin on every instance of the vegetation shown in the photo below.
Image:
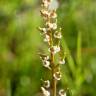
(20, 41)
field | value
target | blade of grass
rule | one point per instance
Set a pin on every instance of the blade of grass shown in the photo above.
(69, 58)
(79, 45)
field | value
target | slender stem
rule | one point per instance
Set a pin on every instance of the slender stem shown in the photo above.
(53, 80)
(53, 68)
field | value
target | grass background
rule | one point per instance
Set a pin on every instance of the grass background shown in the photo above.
(20, 66)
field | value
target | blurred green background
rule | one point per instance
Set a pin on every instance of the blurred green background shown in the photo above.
(20, 67)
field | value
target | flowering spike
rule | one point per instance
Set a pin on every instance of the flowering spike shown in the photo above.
(51, 33)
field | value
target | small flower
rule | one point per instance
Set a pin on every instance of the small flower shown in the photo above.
(53, 14)
(55, 49)
(58, 35)
(47, 83)
(46, 64)
(45, 13)
(45, 92)
(62, 61)
(62, 93)
(45, 60)
(52, 25)
(44, 30)
(57, 75)
(47, 38)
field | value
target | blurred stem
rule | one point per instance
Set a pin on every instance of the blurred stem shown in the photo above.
(53, 67)
(79, 46)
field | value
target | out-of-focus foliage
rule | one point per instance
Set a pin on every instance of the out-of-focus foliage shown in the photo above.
(19, 41)
(20, 66)
(78, 20)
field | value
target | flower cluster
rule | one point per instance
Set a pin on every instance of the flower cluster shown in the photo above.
(51, 34)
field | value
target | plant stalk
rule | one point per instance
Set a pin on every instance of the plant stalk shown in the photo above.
(53, 68)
